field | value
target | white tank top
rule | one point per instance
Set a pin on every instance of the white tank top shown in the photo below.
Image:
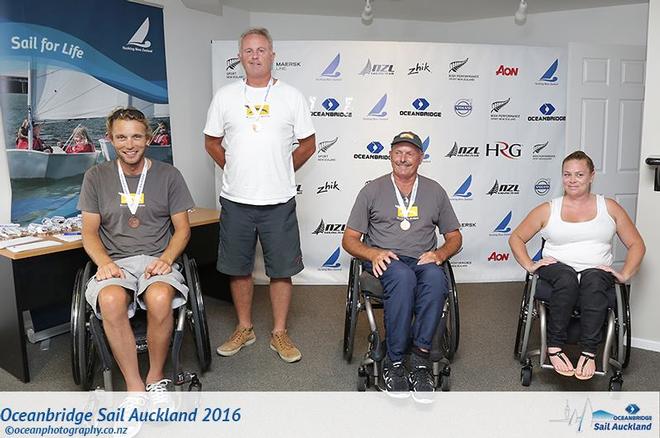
(581, 245)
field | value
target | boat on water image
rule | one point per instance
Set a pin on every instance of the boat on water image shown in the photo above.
(25, 163)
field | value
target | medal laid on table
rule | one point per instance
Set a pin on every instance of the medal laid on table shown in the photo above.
(405, 211)
(133, 201)
(252, 109)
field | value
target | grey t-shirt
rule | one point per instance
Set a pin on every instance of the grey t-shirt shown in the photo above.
(165, 193)
(375, 215)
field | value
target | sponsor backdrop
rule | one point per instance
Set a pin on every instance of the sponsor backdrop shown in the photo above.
(61, 68)
(492, 119)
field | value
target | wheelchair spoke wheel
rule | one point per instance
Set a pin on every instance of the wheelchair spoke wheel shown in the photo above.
(451, 335)
(350, 318)
(521, 319)
(197, 320)
(80, 336)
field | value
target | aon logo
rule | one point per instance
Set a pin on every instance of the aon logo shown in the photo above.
(498, 257)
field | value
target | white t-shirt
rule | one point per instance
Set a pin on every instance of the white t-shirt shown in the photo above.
(259, 166)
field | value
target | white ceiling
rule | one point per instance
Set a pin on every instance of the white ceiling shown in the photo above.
(425, 10)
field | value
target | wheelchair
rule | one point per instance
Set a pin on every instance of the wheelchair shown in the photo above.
(616, 331)
(90, 351)
(364, 293)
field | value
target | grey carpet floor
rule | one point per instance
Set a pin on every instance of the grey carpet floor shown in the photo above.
(484, 361)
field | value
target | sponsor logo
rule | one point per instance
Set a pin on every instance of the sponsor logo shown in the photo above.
(377, 69)
(324, 228)
(549, 78)
(463, 151)
(585, 417)
(324, 146)
(538, 256)
(375, 148)
(463, 107)
(420, 104)
(463, 191)
(503, 189)
(287, 65)
(547, 109)
(506, 71)
(468, 224)
(460, 263)
(496, 111)
(331, 73)
(139, 42)
(503, 227)
(454, 74)
(231, 70)
(498, 256)
(542, 186)
(425, 146)
(331, 107)
(378, 111)
(511, 151)
(537, 152)
(419, 68)
(332, 264)
(299, 190)
(327, 186)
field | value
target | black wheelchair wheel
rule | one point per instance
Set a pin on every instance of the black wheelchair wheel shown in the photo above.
(451, 335)
(197, 316)
(626, 324)
(522, 318)
(82, 346)
(352, 300)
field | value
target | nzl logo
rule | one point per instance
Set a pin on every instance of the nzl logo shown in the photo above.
(331, 70)
(503, 226)
(379, 109)
(464, 190)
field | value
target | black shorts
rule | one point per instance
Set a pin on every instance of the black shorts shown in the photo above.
(277, 229)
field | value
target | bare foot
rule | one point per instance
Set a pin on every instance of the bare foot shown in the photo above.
(586, 366)
(560, 362)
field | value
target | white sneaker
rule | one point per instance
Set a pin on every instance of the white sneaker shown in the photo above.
(128, 429)
(159, 398)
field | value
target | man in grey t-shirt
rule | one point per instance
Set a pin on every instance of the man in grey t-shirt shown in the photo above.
(130, 206)
(398, 214)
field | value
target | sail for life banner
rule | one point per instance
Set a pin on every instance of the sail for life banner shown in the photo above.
(65, 66)
(492, 119)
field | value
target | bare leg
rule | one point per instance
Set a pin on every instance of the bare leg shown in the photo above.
(113, 302)
(158, 298)
(280, 298)
(242, 290)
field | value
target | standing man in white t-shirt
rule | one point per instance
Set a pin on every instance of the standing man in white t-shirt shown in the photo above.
(250, 132)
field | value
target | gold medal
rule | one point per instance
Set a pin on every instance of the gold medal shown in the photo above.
(133, 222)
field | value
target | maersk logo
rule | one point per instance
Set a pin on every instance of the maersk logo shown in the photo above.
(496, 108)
(286, 65)
(419, 68)
(542, 186)
(377, 69)
(331, 107)
(463, 107)
(375, 148)
(537, 152)
(331, 72)
(420, 104)
(454, 75)
(324, 228)
(549, 78)
(503, 149)
(503, 227)
(323, 147)
(503, 189)
(463, 151)
(463, 191)
(139, 41)
(332, 264)
(378, 111)
(547, 109)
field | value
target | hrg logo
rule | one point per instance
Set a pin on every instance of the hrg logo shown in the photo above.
(506, 71)
(510, 151)
(331, 72)
(463, 191)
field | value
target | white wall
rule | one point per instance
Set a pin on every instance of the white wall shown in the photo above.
(645, 288)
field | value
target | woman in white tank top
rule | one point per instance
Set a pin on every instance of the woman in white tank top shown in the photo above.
(578, 229)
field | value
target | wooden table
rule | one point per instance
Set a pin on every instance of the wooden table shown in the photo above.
(43, 279)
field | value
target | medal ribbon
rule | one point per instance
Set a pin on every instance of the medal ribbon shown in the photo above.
(405, 211)
(132, 201)
(253, 108)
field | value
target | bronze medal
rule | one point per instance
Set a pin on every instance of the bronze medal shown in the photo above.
(133, 222)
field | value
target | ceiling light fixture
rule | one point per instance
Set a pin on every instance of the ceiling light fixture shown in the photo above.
(520, 16)
(368, 13)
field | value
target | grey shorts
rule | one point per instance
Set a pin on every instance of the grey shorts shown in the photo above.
(276, 226)
(135, 282)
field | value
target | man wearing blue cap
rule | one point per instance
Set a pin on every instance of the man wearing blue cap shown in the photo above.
(398, 214)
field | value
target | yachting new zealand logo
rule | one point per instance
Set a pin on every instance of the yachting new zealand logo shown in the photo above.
(463, 192)
(332, 263)
(378, 111)
(455, 75)
(331, 72)
(549, 77)
(139, 41)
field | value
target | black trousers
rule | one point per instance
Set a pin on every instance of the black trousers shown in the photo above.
(589, 293)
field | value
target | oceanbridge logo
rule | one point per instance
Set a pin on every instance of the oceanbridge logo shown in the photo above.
(375, 148)
(331, 107)
(139, 41)
(378, 111)
(463, 192)
(331, 72)
(584, 418)
(377, 69)
(549, 78)
(332, 263)
(547, 109)
(420, 104)
(454, 75)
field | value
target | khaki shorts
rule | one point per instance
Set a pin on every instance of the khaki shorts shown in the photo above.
(134, 281)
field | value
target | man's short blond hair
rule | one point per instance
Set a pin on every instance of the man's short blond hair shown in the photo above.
(256, 31)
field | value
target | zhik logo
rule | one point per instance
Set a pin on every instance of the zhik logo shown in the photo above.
(418, 68)
(503, 226)
(549, 75)
(464, 190)
(331, 70)
(327, 186)
(333, 261)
